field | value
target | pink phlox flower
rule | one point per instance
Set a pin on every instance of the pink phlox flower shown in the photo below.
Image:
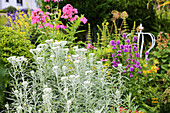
(47, 24)
(88, 46)
(74, 18)
(60, 26)
(103, 59)
(40, 26)
(84, 20)
(51, 26)
(47, 13)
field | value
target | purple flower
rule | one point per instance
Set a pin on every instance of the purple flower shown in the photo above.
(125, 50)
(114, 47)
(103, 59)
(137, 55)
(134, 65)
(121, 46)
(113, 62)
(124, 71)
(129, 46)
(146, 53)
(115, 65)
(125, 46)
(118, 62)
(127, 67)
(113, 55)
(112, 42)
(127, 61)
(128, 58)
(135, 48)
(131, 75)
(119, 51)
(128, 41)
(133, 60)
(118, 54)
(139, 71)
(147, 59)
(139, 67)
(137, 63)
(124, 35)
(134, 39)
(118, 42)
(146, 75)
(134, 44)
(130, 55)
(130, 50)
(131, 69)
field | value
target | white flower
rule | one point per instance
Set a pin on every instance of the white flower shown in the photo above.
(78, 76)
(19, 108)
(66, 49)
(47, 90)
(32, 72)
(90, 72)
(16, 92)
(72, 76)
(7, 106)
(44, 46)
(11, 59)
(102, 79)
(25, 84)
(68, 102)
(55, 48)
(56, 43)
(117, 92)
(76, 62)
(63, 43)
(22, 58)
(64, 68)
(75, 56)
(75, 47)
(64, 78)
(119, 65)
(34, 93)
(49, 41)
(86, 83)
(40, 59)
(82, 50)
(55, 68)
(65, 90)
(91, 54)
(99, 62)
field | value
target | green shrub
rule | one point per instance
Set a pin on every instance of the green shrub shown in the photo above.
(12, 43)
(2, 11)
(10, 9)
(3, 20)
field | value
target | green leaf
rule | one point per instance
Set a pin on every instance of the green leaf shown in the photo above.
(164, 60)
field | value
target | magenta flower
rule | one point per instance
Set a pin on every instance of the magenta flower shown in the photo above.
(40, 26)
(88, 46)
(118, 42)
(137, 63)
(146, 53)
(121, 46)
(137, 55)
(130, 55)
(60, 26)
(130, 50)
(47, 13)
(131, 69)
(68, 12)
(135, 48)
(84, 20)
(127, 61)
(134, 39)
(124, 35)
(51, 26)
(134, 44)
(124, 71)
(118, 54)
(113, 62)
(119, 51)
(103, 59)
(128, 41)
(131, 75)
(114, 47)
(74, 18)
(112, 42)
(125, 46)
(125, 50)
(116, 65)
(47, 24)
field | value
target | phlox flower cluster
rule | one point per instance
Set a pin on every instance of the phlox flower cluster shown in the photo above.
(38, 16)
(127, 53)
(89, 46)
(70, 13)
